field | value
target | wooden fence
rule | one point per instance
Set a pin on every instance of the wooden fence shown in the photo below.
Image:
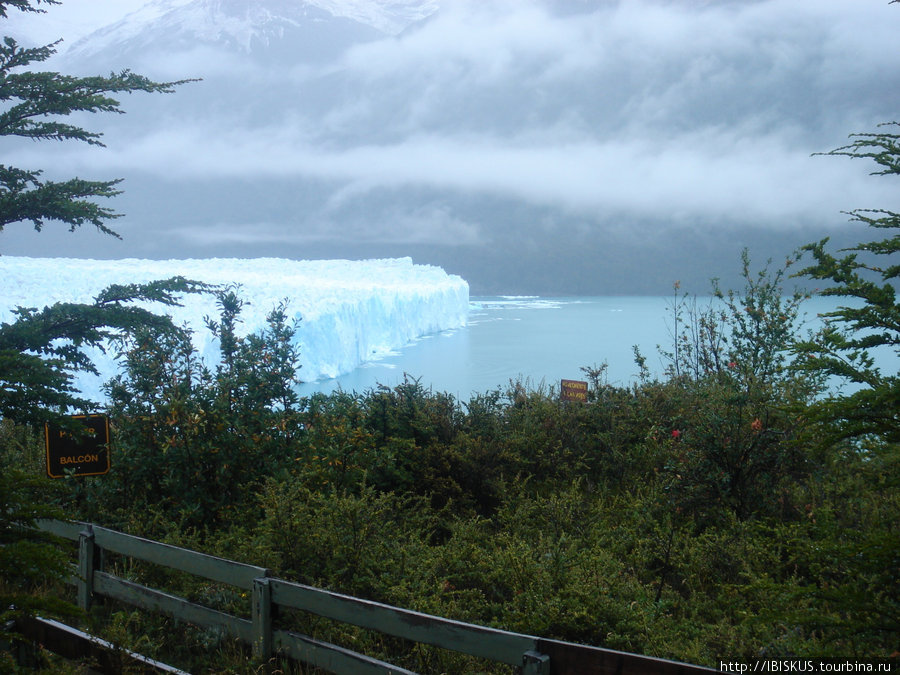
(531, 655)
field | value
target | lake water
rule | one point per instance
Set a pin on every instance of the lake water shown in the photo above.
(541, 340)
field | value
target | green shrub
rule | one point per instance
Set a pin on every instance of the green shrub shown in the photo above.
(194, 440)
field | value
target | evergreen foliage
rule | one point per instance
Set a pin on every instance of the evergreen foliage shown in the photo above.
(193, 441)
(689, 517)
(29, 559)
(32, 104)
(867, 274)
(863, 594)
(42, 350)
(24, 5)
(731, 509)
(680, 518)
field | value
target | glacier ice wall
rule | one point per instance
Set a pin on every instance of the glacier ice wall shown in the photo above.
(350, 311)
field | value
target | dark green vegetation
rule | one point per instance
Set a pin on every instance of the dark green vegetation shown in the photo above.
(34, 102)
(732, 509)
(42, 349)
(723, 511)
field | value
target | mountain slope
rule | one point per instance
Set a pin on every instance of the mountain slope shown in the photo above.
(295, 30)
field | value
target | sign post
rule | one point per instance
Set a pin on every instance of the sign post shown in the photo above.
(84, 453)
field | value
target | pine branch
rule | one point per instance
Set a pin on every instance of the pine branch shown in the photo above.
(25, 6)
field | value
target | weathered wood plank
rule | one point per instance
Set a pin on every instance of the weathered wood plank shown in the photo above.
(535, 663)
(66, 530)
(174, 557)
(489, 643)
(85, 568)
(72, 643)
(149, 598)
(567, 658)
(331, 657)
(261, 615)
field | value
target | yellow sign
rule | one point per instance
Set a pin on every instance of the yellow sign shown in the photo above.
(573, 390)
(82, 452)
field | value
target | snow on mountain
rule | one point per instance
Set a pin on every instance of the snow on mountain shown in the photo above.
(388, 16)
(306, 29)
(350, 311)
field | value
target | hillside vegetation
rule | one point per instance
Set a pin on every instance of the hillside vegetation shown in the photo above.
(724, 511)
(740, 506)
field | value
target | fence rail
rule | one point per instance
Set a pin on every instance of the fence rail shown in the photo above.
(74, 644)
(532, 655)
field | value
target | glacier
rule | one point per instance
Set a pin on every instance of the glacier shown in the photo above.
(350, 311)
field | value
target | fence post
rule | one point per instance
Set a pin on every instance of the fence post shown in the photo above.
(86, 567)
(535, 663)
(261, 613)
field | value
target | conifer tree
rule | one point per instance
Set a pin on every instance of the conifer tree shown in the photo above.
(859, 597)
(42, 349)
(33, 104)
(867, 273)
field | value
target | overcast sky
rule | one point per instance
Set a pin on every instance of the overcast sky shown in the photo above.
(72, 19)
(516, 123)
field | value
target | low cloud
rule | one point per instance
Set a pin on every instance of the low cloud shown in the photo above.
(663, 113)
(711, 175)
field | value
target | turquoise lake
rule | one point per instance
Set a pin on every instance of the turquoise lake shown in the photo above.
(537, 340)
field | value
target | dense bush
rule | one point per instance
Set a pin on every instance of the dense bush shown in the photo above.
(692, 517)
(194, 441)
(733, 509)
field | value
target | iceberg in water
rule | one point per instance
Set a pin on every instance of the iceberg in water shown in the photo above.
(350, 311)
